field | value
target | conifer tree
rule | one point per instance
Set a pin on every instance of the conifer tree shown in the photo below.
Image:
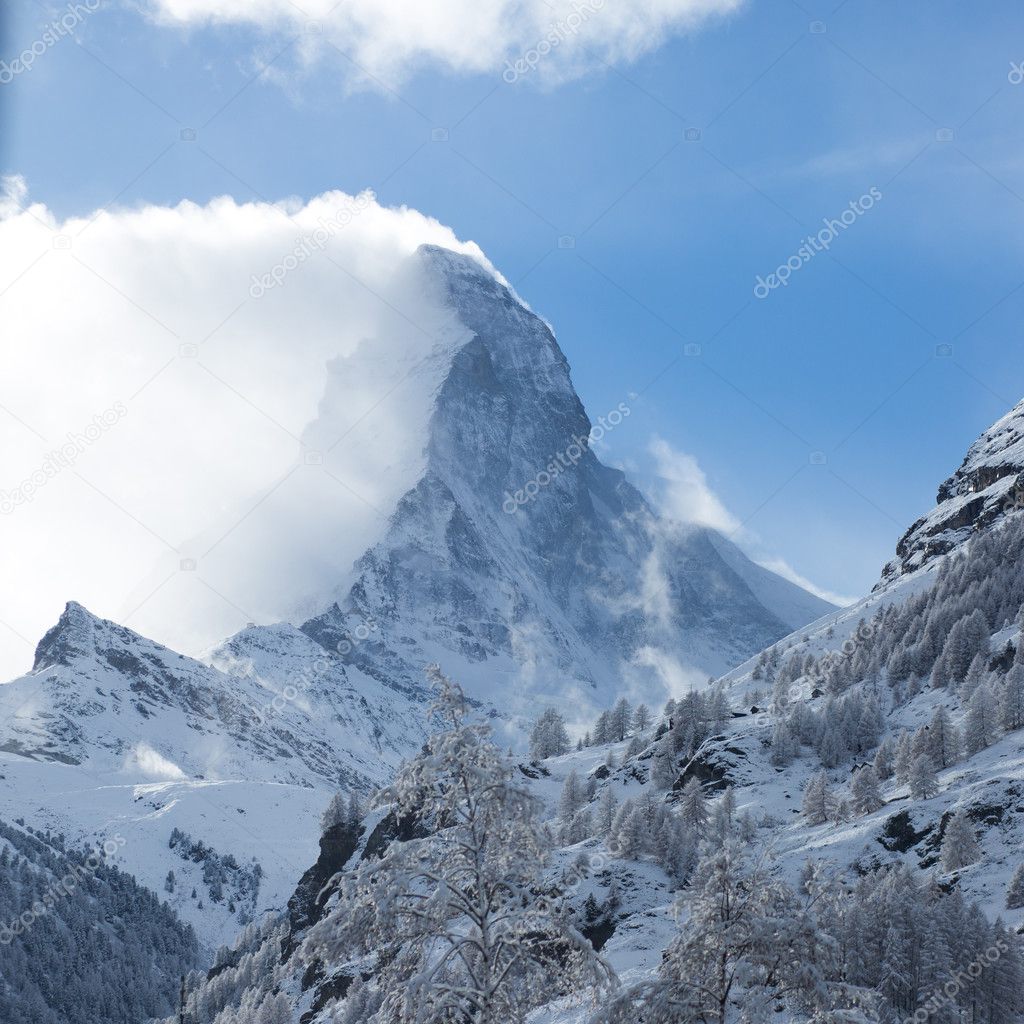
(819, 803)
(1015, 890)
(959, 843)
(922, 778)
(865, 791)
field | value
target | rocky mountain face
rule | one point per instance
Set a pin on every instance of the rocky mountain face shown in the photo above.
(520, 560)
(987, 487)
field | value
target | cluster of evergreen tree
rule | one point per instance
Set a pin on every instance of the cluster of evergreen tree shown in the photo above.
(241, 986)
(95, 946)
(225, 880)
(886, 947)
(939, 637)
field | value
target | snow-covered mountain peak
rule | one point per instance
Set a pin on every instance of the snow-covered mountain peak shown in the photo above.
(73, 635)
(523, 563)
(988, 486)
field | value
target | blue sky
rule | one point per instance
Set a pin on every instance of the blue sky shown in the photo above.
(678, 178)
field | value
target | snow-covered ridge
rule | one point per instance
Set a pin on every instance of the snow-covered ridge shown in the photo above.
(988, 486)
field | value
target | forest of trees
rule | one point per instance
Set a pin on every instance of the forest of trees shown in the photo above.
(92, 946)
(225, 881)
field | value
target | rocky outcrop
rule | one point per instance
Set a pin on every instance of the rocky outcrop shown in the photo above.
(988, 486)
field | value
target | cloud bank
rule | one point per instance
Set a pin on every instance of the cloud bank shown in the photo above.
(391, 39)
(206, 412)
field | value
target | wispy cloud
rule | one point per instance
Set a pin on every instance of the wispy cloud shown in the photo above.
(782, 568)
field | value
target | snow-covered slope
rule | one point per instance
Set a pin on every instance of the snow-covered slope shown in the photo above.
(111, 732)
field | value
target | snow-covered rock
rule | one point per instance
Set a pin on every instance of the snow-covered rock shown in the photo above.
(988, 486)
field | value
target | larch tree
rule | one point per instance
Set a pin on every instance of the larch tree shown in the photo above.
(693, 808)
(1015, 890)
(980, 726)
(885, 756)
(959, 843)
(819, 803)
(549, 737)
(865, 791)
(572, 798)
(1011, 699)
(458, 920)
(922, 778)
(642, 718)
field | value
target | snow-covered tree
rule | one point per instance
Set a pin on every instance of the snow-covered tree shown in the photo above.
(663, 764)
(457, 919)
(904, 756)
(693, 809)
(977, 673)
(784, 746)
(620, 719)
(641, 718)
(980, 726)
(1015, 890)
(549, 737)
(922, 778)
(885, 757)
(1011, 699)
(603, 729)
(572, 797)
(631, 836)
(744, 937)
(865, 791)
(607, 805)
(943, 739)
(959, 843)
(335, 813)
(275, 1009)
(819, 803)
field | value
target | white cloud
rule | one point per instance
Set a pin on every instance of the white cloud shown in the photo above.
(782, 568)
(390, 39)
(685, 495)
(214, 408)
